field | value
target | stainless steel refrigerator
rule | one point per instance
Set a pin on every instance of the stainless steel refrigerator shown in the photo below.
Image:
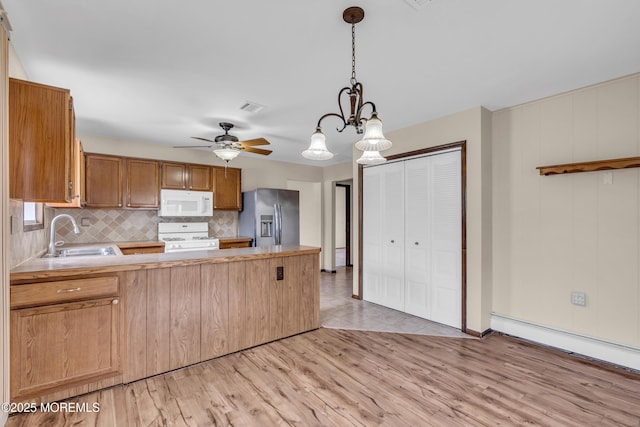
(270, 217)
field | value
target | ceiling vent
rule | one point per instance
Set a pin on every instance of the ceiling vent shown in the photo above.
(418, 4)
(251, 107)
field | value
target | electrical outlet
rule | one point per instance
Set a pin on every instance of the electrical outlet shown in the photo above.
(579, 298)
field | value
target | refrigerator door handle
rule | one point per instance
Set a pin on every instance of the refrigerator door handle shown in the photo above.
(277, 220)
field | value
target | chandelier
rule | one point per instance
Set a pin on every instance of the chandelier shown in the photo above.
(373, 140)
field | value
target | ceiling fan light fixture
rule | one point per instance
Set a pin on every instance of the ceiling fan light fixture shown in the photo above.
(318, 148)
(373, 139)
(226, 153)
(371, 158)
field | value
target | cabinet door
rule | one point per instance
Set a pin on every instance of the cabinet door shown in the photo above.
(103, 176)
(41, 135)
(77, 179)
(214, 310)
(227, 186)
(174, 176)
(51, 347)
(135, 362)
(184, 345)
(143, 183)
(200, 178)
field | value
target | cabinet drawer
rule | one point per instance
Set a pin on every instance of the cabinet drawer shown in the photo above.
(61, 291)
(142, 250)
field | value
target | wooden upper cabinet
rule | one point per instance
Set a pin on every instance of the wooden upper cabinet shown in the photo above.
(103, 177)
(174, 176)
(200, 178)
(41, 135)
(143, 181)
(227, 186)
(116, 182)
(186, 176)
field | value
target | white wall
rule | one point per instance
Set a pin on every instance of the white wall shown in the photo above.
(310, 211)
(563, 233)
(474, 126)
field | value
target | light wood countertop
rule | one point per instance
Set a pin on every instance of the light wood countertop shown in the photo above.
(52, 268)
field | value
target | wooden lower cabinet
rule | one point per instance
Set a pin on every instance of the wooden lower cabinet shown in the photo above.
(169, 317)
(64, 345)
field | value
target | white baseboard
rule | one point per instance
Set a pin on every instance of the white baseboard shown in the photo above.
(617, 354)
(3, 418)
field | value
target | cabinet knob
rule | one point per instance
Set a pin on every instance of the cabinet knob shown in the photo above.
(115, 302)
(393, 241)
(416, 243)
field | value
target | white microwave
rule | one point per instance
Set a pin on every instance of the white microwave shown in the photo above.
(185, 203)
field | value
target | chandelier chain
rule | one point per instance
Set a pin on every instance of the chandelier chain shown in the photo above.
(353, 54)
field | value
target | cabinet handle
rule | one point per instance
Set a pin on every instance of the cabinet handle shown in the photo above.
(115, 302)
(393, 241)
(416, 243)
(62, 291)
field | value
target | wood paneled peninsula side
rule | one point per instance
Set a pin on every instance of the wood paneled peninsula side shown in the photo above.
(82, 324)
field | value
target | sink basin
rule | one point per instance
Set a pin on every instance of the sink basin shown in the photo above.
(91, 251)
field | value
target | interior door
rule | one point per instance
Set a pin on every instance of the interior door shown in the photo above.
(418, 237)
(446, 239)
(372, 271)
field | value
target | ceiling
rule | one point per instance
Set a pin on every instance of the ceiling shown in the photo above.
(162, 71)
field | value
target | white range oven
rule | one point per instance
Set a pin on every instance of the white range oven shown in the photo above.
(186, 236)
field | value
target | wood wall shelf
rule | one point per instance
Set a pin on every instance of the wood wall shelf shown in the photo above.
(599, 165)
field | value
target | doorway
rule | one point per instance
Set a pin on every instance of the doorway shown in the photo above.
(343, 225)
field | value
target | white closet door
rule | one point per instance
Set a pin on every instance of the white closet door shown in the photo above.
(383, 235)
(392, 225)
(445, 258)
(417, 237)
(372, 268)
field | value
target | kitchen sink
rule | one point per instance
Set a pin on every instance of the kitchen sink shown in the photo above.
(89, 251)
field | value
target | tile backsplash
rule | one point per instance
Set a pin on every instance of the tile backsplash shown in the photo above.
(120, 225)
(26, 244)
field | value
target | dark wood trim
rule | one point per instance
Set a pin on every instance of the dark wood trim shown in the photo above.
(323, 270)
(347, 189)
(477, 334)
(462, 145)
(360, 168)
(354, 296)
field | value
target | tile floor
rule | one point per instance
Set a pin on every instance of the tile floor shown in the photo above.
(338, 310)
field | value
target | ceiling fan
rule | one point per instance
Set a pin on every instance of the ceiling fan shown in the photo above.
(227, 146)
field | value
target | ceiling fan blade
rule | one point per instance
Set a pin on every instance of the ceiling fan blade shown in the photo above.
(257, 141)
(257, 151)
(193, 146)
(202, 139)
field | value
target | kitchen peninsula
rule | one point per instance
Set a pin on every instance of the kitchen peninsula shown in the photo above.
(86, 323)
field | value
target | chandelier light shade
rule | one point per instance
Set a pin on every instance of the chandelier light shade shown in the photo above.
(318, 148)
(371, 158)
(226, 153)
(373, 141)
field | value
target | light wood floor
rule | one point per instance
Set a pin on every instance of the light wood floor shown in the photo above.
(351, 377)
(331, 377)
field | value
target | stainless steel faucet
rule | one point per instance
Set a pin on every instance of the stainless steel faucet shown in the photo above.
(51, 252)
